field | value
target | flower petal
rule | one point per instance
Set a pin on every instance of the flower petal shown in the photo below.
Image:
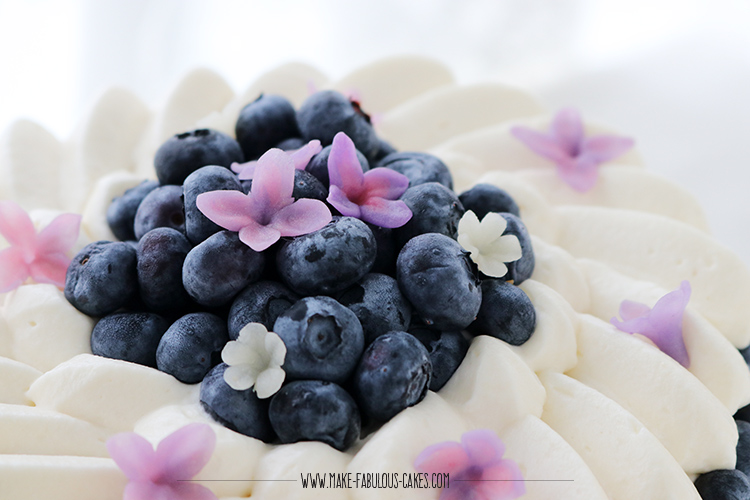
(447, 456)
(245, 171)
(507, 248)
(133, 454)
(482, 446)
(385, 213)
(231, 210)
(13, 269)
(580, 174)
(301, 217)
(190, 491)
(183, 454)
(490, 265)
(631, 310)
(16, 226)
(236, 352)
(276, 348)
(385, 183)
(147, 491)
(338, 200)
(567, 129)
(60, 235)
(253, 335)
(493, 225)
(302, 156)
(259, 237)
(540, 143)
(502, 481)
(273, 183)
(50, 268)
(240, 377)
(269, 382)
(602, 148)
(344, 169)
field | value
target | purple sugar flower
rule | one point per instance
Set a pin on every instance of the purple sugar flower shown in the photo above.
(576, 156)
(300, 157)
(268, 211)
(662, 324)
(372, 196)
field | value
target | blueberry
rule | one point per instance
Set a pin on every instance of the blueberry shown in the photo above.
(161, 253)
(393, 374)
(192, 346)
(240, 411)
(121, 212)
(743, 414)
(264, 123)
(723, 484)
(313, 410)
(102, 278)
(306, 185)
(260, 302)
(185, 153)
(318, 165)
(162, 207)
(485, 198)
(436, 209)
(326, 113)
(384, 149)
(378, 304)
(447, 350)
(328, 260)
(385, 243)
(323, 339)
(435, 275)
(217, 269)
(506, 313)
(743, 447)
(420, 168)
(291, 144)
(130, 336)
(521, 269)
(210, 178)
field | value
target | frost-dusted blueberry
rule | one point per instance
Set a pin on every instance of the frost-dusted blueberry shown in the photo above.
(161, 253)
(485, 198)
(506, 313)
(129, 336)
(323, 339)
(447, 350)
(210, 178)
(240, 411)
(723, 484)
(102, 278)
(436, 209)
(121, 212)
(318, 165)
(743, 447)
(521, 269)
(264, 123)
(291, 144)
(192, 346)
(393, 374)
(328, 260)
(260, 302)
(326, 113)
(420, 168)
(217, 269)
(313, 410)
(384, 149)
(378, 304)
(185, 153)
(162, 207)
(435, 275)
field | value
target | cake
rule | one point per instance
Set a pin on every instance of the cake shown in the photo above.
(583, 409)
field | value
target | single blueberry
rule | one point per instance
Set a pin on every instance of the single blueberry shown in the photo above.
(521, 269)
(393, 374)
(210, 178)
(384, 149)
(291, 144)
(102, 278)
(161, 254)
(264, 123)
(743, 447)
(313, 410)
(129, 336)
(240, 411)
(318, 165)
(506, 313)
(162, 207)
(435, 209)
(420, 168)
(447, 350)
(323, 339)
(485, 198)
(186, 152)
(121, 212)
(723, 484)
(260, 302)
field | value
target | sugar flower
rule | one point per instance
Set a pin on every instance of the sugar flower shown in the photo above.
(372, 196)
(577, 157)
(255, 359)
(43, 256)
(476, 467)
(268, 211)
(489, 248)
(662, 324)
(300, 157)
(164, 473)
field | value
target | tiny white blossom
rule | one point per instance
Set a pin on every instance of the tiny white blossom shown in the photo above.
(255, 360)
(489, 248)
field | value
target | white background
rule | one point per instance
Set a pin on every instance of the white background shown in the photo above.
(675, 74)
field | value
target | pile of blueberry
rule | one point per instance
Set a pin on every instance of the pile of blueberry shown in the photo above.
(372, 318)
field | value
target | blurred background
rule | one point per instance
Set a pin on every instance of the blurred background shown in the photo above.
(674, 74)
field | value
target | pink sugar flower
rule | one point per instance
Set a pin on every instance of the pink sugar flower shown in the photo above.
(577, 157)
(268, 211)
(43, 256)
(476, 468)
(371, 196)
(662, 324)
(300, 157)
(164, 473)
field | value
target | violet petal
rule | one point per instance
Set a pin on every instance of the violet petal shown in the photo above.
(540, 143)
(13, 269)
(580, 174)
(16, 226)
(603, 148)
(133, 455)
(183, 454)
(446, 457)
(192, 491)
(246, 170)
(301, 217)
(502, 481)
(259, 237)
(385, 213)
(273, 184)
(338, 199)
(147, 491)
(567, 129)
(483, 447)
(385, 183)
(60, 235)
(50, 268)
(344, 169)
(302, 156)
(229, 209)
(631, 310)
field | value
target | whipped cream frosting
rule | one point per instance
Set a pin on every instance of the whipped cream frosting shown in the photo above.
(606, 413)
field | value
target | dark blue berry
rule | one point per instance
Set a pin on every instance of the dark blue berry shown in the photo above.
(384, 149)
(323, 339)
(162, 207)
(447, 350)
(385, 242)
(121, 212)
(313, 410)
(264, 123)
(420, 168)
(435, 209)
(328, 260)
(192, 346)
(217, 269)
(240, 411)
(185, 153)
(506, 313)
(161, 253)
(260, 302)
(521, 269)
(723, 484)
(129, 336)
(485, 198)
(318, 165)
(743, 447)
(102, 278)
(393, 374)
(291, 144)
(435, 275)
(211, 178)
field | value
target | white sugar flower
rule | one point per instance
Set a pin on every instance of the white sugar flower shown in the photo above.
(489, 249)
(255, 359)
